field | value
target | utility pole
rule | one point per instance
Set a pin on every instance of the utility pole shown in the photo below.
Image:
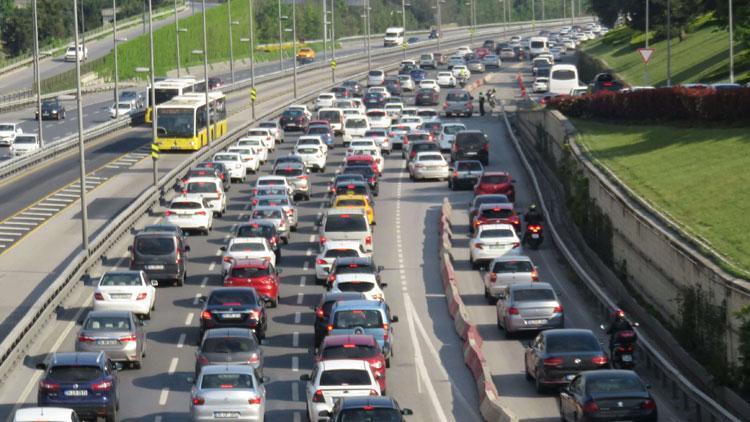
(81, 152)
(176, 37)
(731, 43)
(231, 50)
(403, 22)
(294, 44)
(205, 75)
(439, 24)
(154, 115)
(114, 44)
(252, 49)
(669, 42)
(645, 65)
(281, 38)
(37, 79)
(325, 30)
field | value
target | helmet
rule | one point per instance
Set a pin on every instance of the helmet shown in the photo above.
(532, 207)
(619, 314)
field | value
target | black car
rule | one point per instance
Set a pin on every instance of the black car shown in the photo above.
(293, 119)
(226, 181)
(215, 83)
(412, 40)
(556, 356)
(167, 228)
(234, 307)
(351, 187)
(161, 255)
(323, 310)
(229, 346)
(368, 173)
(354, 87)
(52, 108)
(393, 85)
(407, 68)
(341, 92)
(342, 178)
(607, 395)
(471, 145)
(426, 97)
(261, 228)
(606, 82)
(489, 44)
(366, 408)
(464, 173)
(374, 100)
(363, 265)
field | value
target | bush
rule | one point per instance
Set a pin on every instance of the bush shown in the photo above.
(662, 104)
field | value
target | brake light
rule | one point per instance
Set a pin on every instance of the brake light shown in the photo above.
(513, 311)
(478, 245)
(167, 213)
(86, 339)
(598, 360)
(48, 386)
(206, 315)
(486, 147)
(385, 332)
(141, 296)
(102, 386)
(590, 407)
(374, 393)
(648, 404)
(319, 312)
(178, 258)
(320, 261)
(254, 358)
(534, 275)
(200, 213)
(535, 228)
(368, 240)
(98, 296)
(255, 400)
(128, 339)
(516, 245)
(323, 240)
(607, 84)
(350, 346)
(202, 360)
(318, 397)
(198, 401)
(558, 309)
(228, 259)
(553, 362)
(330, 327)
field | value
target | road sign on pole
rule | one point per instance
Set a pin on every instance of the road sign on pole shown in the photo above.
(253, 94)
(155, 151)
(333, 64)
(646, 54)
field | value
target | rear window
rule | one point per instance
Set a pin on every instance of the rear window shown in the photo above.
(369, 413)
(613, 384)
(247, 247)
(425, 91)
(272, 202)
(250, 272)
(255, 231)
(355, 269)
(470, 139)
(120, 280)
(376, 73)
(308, 141)
(350, 203)
(457, 96)
(497, 213)
(369, 318)
(376, 113)
(102, 323)
(185, 206)
(512, 267)
(430, 157)
(307, 150)
(469, 166)
(365, 171)
(228, 345)
(355, 190)
(533, 295)
(494, 233)
(318, 130)
(257, 133)
(356, 123)
(428, 146)
(202, 187)
(75, 374)
(269, 214)
(563, 75)
(346, 223)
(345, 377)
(272, 182)
(330, 116)
(572, 342)
(494, 178)
(232, 297)
(355, 286)
(349, 351)
(154, 245)
(453, 129)
(341, 253)
(227, 381)
(290, 171)
(226, 157)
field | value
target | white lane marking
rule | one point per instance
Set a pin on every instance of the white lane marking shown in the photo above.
(295, 391)
(67, 195)
(181, 341)
(3, 239)
(295, 339)
(204, 282)
(218, 252)
(295, 363)
(45, 209)
(173, 366)
(163, 396)
(302, 281)
(300, 298)
(312, 238)
(96, 178)
(10, 234)
(297, 317)
(197, 299)
(20, 223)
(66, 200)
(189, 318)
(41, 214)
(211, 266)
(21, 217)
(23, 229)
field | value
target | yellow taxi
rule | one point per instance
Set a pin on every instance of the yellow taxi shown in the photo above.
(359, 202)
(306, 55)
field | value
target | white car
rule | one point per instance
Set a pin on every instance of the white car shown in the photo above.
(361, 143)
(313, 156)
(301, 107)
(430, 83)
(461, 69)
(541, 84)
(324, 100)
(312, 140)
(125, 291)
(25, 144)
(409, 111)
(275, 128)
(123, 109)
(394, 110)
(249, 156)
(413, 122)
(378, 118)
(190, 213)
(234, 164)
(265, 135)
(45, 414)
(463, 50)
(255, 143)
(492, 241)
(333, 379)
(336, 249)
(375, 77)
(355, 127)
(72, 55)
(274, 181)
(246, 248)
(569, 44)
(429, 165)
(380, 90)
(448, 134)
(446, 79)
(407, 83)
(381, 139)
(209, 188)
(8, 133)
(366, 284)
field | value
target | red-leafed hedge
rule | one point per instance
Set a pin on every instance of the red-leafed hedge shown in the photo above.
(668, 104)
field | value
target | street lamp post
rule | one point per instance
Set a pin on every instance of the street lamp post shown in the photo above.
(176, 36)
(231, 49)
(116, 40)
(533, 14)
(403, 21)
(333, 30)
(37, 80)
(205, 75)
(669, 43)
(251, 41)
(82, 157)
(281, 37)
(325, 30)
(731, 43)
(294, 44)
(154, 115)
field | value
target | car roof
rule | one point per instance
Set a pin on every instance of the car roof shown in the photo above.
(335, 364)
(342, 244)
(509, 258)
(373, 401)
(38, 414)
(203, 179)
(537, 285)
(566, 331)
(341, 339)
(334, 211)
(362, 260)
(77, 358)
(228, 332)
(363, 277)
(348, 305)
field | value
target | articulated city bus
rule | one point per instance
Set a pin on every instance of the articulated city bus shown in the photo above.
(181, 121)
(169, 88)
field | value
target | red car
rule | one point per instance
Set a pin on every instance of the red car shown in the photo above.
(362, 160)
(359, 347)
(481, 52)
(497, 214)
(256, 273)
(496, 182)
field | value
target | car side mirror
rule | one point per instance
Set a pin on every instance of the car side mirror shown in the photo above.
(304, 377)
(202, 299)
(264, 379)
(406, 412)
(223, 248)
(187, 248)
(118, 366)
(394, 318)
(325, 414)
(154, 283)
(380, 268)
(41, 365)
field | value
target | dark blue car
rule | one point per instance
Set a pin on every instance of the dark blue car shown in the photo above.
(418, 75)
(374, 100)
(83, 381)
(234, 307)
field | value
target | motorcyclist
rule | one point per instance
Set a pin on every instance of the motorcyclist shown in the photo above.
(618, 324)
(533, 216)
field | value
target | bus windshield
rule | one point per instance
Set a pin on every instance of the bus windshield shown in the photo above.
(179, 123)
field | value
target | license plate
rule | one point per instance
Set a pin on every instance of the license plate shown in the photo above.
(154, 267)
(535, 235)
(76, 393)
(120, 296)
(231, 316)
(471, 153)
(536, 321)
(227, 415)
(627, 358)
(106, 342)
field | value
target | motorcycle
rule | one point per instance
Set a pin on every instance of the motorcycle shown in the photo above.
(623, 349)
(533, 236)
(461, 81)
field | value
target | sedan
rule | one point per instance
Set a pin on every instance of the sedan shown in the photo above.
(428, 165)
(528, 307)
(476, 65)
(190, 213)
(607, 395)
(233, 307)
(491, 241)
(232, 346)
(246, 248)
(333, 250)
(426, 97)
(491, 61)
(407, 83)
(446, 79)
(125, 291)
(231, 392)
(496, 182)
(367, 284)
(233, 161)
(357, 347)
(541, 84)
(117, 333)
(555, 357)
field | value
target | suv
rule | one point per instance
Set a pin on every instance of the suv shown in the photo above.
(83, 381)
(471, 145)
(369, 317)
(323, 310)
(346, 225)
(458, 102)
(367, 408)
(161, 255)
(296, 177)
(52, 108)
(427, 60)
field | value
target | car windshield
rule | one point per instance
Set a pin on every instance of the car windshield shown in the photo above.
(497, 213)
(247, 247)
(349, 351)
(457, 96)
(268, 214)
(75, 374)
(368, 318)
(345, 223)
(201, 187)
(512, 267)
(228, 345)
(154, 245)
(232, 297)
(533, 295)
(613, 384)
(355, 286)
(102, 323)
(356, 123)
(176, 122)
(30, 140)
(120, 280)
(494, 178)
(572, 342)
(355, 269)
(345, 377)
(495, 233)
(226, 381)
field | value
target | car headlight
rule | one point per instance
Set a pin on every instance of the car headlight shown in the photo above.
(54, 111)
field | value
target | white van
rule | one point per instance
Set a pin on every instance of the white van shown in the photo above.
(562, 79)
(355, 127)
(334, 117)
(538, 45)
(393, 36)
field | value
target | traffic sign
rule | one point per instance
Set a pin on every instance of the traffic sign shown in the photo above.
(333, 64)
(405, 46)
(155, 151)
(646, 54)
(253, 94)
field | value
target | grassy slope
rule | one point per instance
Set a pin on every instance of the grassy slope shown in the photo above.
(701, 57)
(698, 176)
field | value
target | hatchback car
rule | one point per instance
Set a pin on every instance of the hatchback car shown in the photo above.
(528, 307)
(458, 103)
(240, 307)
(367, 408)
(339, 92)
(52, 108)
(491, 241)
(231, 392)
(607, 395)
(505, 270)
(333, 250)
(346, 225)
(129, 291)
(276, 215)
(259, 274)
(229, 346)
(241, 248)
(358, 347)
(335, 379)
(161, 255)
(366, 284)
(426, 97)
(496, 214)
(480, 200)
(370, 175)
(448, 131)
(210, 191)
(261, 228)
(464, 173)
(369, 317)
(345, 265)
(190, 213)
(296, 179)
(293, 120)
(324, 131)
(117, 333)
(375, 77)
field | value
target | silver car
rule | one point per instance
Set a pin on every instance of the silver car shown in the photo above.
(506, 270)
(279, 201)
(429, 165)
(458, 102)
(297, 177)
(476, 65)
(492, 61)
(117, 333)
(529, 307)
(228, 392)
(277, 216)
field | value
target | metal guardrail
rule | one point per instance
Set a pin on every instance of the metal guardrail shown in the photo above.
(24, 333)
(705, 408)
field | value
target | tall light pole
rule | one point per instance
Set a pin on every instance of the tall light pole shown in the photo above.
(333, 30)
(439, 22)
(154, 115)
(542, 9)
(251, 40)
(731, 43)
(231, 48)
(82, 157)
(37, 79)
(294, 44)
(505, 17)
(669, 42)
(281, 40)
(177, 31)
(645, 65)
(205, 75)
(325, 30)
(533, 14)
(403, 21)
(116, 40)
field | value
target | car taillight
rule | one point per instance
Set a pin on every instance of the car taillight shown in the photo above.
(198, 401)
(493, 277)
(412, 154)
(102, 386)
(486, 147)
(141, 296)
(534, 275)
(128, 339)
(228, 259)
(330, 327)
(255, 400)
(513, 311)
(319, 312)
(597, 360)
(374, 393)
(254, 358)
(648, 404)
(48, 386)
(98, 296)
(318, 397)
(200, 213)
(368, 240)
(535, 228)
(86, 339)
(553, 362)
(558, 309)
(202, 360)
(377, 364)
(178, 258)
(206, 315)
(167, 213)
(590, 407)
(478, 245)
(320, 261)
(385, 332)
(254, 314)
(516, 245)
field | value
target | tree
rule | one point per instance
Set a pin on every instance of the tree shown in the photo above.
(741, 18)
